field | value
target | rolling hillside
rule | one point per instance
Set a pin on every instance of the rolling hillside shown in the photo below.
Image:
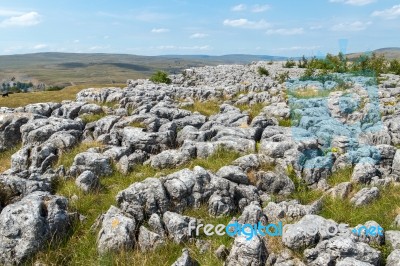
(73, 69)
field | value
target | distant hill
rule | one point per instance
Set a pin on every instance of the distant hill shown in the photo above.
(389, 53)
(71, 68)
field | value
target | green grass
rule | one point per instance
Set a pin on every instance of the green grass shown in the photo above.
(340, 176)
(285, 122)
(5, 158)
(253, 110)
(137, 124)
(67, 157)
(302, 192)
(80, 247)
(383, 210)
(68, 93)
(205, 108)
(88, 118)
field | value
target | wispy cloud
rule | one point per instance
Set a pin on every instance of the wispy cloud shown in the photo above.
(246, 24)
(198, 36)
(292, 31)
(260, 8)
(193, 48)
(240, 7)
(23, 20)
(299, 48)
(40, 46)
(353, 2)
(390, 13)
(351, 26)
(254, 8)
(160, 30)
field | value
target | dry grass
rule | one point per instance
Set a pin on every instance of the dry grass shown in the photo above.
(68, 93)
(205, 108)
(253, 110)
(5, 158)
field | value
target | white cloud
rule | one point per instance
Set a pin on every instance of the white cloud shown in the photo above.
(40, 46)
(260, 8)
(161, 30)
(351, 26)
(194, 48)
(240, 7)
(391, 13)
(353, 2)
(246, 24)
(97, 47)
(293, 31)
(198, 36)
(24, 20)
(298, 48)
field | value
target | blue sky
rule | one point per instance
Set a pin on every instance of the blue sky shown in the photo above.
(157, 27)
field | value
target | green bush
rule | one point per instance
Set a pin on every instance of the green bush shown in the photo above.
(289, 63)
(262, 71)
(394, 66)
(282, 77)
(160, 77)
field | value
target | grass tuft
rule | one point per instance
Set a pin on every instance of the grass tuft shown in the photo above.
(383, 210)
(67, 157)
(5, 158)
(205, 108)
(253, 110)
(88, 118)
(340, 176)
(285, 122)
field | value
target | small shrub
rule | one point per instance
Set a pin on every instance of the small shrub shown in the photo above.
(160, 77)
(289, 63)
(262, 71)
(282, 77)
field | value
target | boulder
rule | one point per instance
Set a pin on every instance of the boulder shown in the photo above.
(148, 240)
(186, 188)
(274, 183)
(234, 174)
(27, 226)
(97, 163)
(394, 258)
(365, 196)
(142, 199)
(331, 251)
(177, 226)
(246, 252)
(117, 232)
(88, 181)
(185, 259)
(392, 238)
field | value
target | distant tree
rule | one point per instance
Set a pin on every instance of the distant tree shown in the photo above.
(160, 77)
